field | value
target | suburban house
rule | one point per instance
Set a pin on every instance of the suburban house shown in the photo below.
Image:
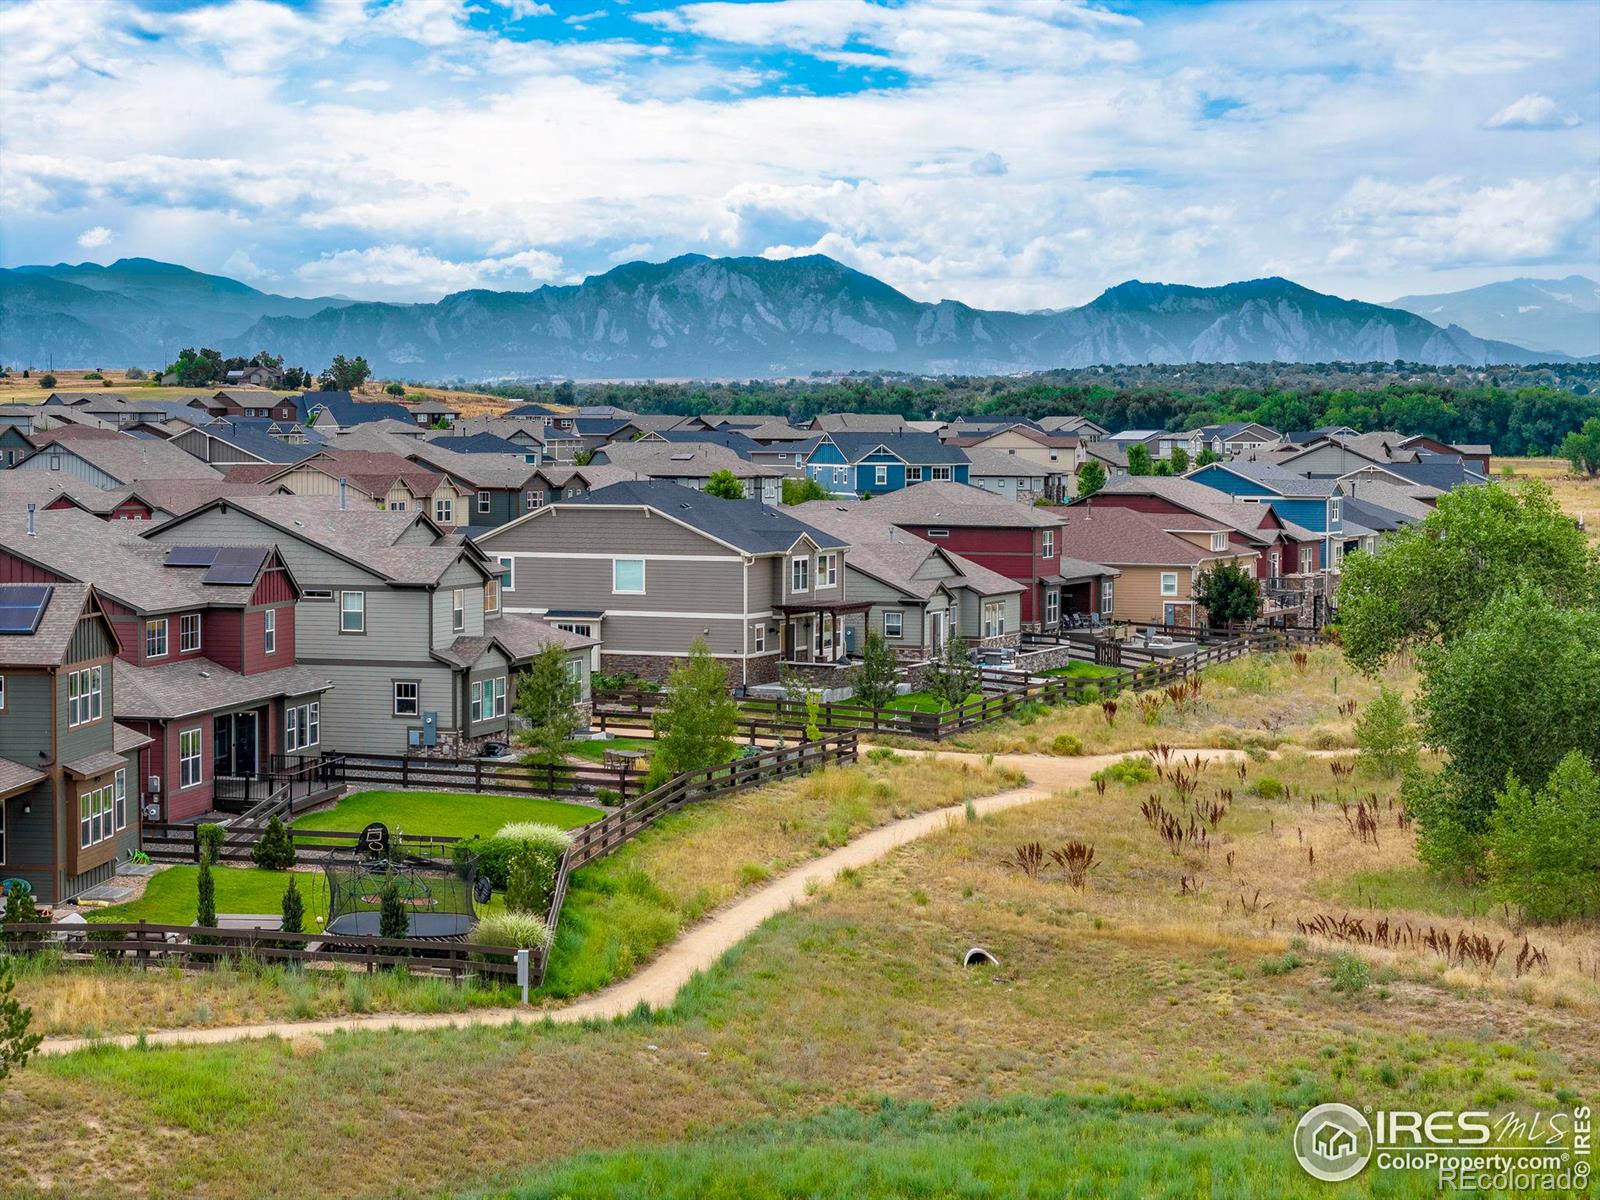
(921, 593)
(404, 620)
(1082, 426)
(563, 481)
(858, 423)
(692, 464)
(787, 455)
(484, 443)
(1015, 540)
(432, 412)
(367, 478)
(493, 486)
(1014, 477)
(1058, 453)
(874, 463)
(105, 458)
(328, 411)
(206, 662)
(252, 402)
(255, 376)
(16, 442)
(225, 442)
(1315, 505)
(650, 567)
(1159, 442)
(68, 813)
(1231, 439)
(1157, 568)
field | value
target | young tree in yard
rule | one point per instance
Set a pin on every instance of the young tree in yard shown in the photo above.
(1139, 459)
(392, 920)
(1207, 457)
(345, 374)
(205, 888)
(798, 491)
(1581, 448)
(16, 1043)
(275, 850)
(694, 727)
(874, 679)
(1091, 478)
(1180, 460)
(725, 485)
(1163, 469)
(1544, 845)
(1426, 583)
(952, 677)
(294, 908)
(1229, 594)
(1385, 734)
(547, 699)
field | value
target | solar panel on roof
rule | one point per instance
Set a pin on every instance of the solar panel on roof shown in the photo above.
(22, 606)
(236, 565)
(192, 556)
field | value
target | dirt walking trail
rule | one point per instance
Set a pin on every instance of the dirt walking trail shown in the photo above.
(659, 982)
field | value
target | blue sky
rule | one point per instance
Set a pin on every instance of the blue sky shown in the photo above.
(1015, 153)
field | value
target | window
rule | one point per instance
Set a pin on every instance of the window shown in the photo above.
(477, 700)
(1052, 607)
(760, 632)
(1108, 596)
(1219, 541)
(484, 500)
(188, 633)
(938, 473)
(827, 570)
(2, 693)
(397, 506)
(574, 669)
(913, 474)
(800, 574)
(581, 628)
(508, 573)
(96, 815)
(993, 622)
(407, 701)
(1169, 583)
(1335, 509)
(1308, 559)
(489, 698)
(444, 510)
(933, 533)
(316, 594)
(894, 624)
(189, 763)
(491, 595)
(155, 638)
(302, 726)
(83, 695)
(55, 462)
(269, 631)
(880, 475)
(533, 499)
(119, 799)
(1048, 549)
(352, 612)
(458, 610)
(627, 576)
(1274, 561)
(840, 474)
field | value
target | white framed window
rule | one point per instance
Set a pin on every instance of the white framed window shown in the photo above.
(827, 570)
(2, 693)
(508, 573)
(119, 798)
(840, 474)
(155, 638)
(1308, 559)
(477, 700)
(352, 612)
(55, 462)
(491, 595)
(496, 695)
(1108, 596)
(532, 499)
(760, 633)
(880, 475)
(894, 623)
(84, 695)
(444, 510)
(800, 574)
(1169, 583)
(1335, 510)
(302, 725)
(913, 474)
(1219, 541)
(1052, 607)
(190, 764)
(397, 506)
(269, 631)
(188, 633)
(484, 503)
(407, 698)
(1048, 549)
(574, 669)
(458, 610)
(627, 576)
(96, 816)
(941, 473)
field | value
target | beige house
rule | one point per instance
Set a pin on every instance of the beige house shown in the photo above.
(382, 479)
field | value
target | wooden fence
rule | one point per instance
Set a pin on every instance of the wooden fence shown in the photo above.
(555, 780)
(180, 842)
(148, 944)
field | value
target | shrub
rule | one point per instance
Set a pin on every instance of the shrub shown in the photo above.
(294, 908)
(1283, 964)
(20, 909)
(47, 381)
(392, 919)
(1349, 974)
(522, 930)
(210, 836)
(1132, 770)
(539, 833)
(1268, 788)
(610, 797)
(275, 850)
(17, 1045)
(494, 853)
(205, 909)
(133, 374)
(1544, 846)
(1066, 744)
(1386, 736)
(531, 877)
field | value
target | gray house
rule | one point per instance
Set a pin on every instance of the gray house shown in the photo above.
(692, 464)
(405, 620)
(68, 803)
(650, 567)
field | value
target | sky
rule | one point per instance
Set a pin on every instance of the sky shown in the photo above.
(1011, 154)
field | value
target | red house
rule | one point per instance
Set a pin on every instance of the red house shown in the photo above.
(206, 663)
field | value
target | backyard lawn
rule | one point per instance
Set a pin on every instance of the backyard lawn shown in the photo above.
(1081, 670)
(595, 749)
(442, 814)
(169, 897)
(924, 702)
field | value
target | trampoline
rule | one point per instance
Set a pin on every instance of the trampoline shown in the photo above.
(438, 904)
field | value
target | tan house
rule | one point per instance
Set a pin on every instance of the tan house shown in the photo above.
(384, 480)
(1058, 453)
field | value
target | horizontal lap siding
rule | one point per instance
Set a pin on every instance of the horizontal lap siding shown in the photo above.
(1138, 593)
(256, 657)
(223, 637)
(587, 531)
(30, 839)
(624, 634)
(357, 715)
(25, 725)
(182, 803)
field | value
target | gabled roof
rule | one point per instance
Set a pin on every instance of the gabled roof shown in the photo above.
(130, 460)
(1390, 494)
(956, 504)
(372, 471)
(968, 437)
(1122, 537)
(1196, 498)
(253, 436)
(518, 636)
(47, 645)
(476, 443)
(345, 409)
(888, 554)
(732, 439)
(1279, 480)
(500, 471)
(198, 685)
(858, 422)
(681, 460)
(535, 410)
(915, 449)
(992, 463)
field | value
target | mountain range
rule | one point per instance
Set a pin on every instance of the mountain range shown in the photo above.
(1541, 314)
(700, 317)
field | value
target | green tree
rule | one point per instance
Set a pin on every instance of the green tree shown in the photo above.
(392, 919)
(1385, 734)
(1427, 582)
(725, 485)
(1229, 594)
(583, 457)
(1544, 845)
(1163, 469)
(875, 677)
(395, 389)
(694, 726)
(528, 881)
(275, 850)
(20, 909)
(547, 699)
(195, 368)
(1581, 448)
(952, 677)
(205, 886)
(1139, 459)
(1207, 457)
(345, 374)
(1179, 460)
(798, 491)
(1091, 478)
(17, 1045)
(294, 908)
(47, 382)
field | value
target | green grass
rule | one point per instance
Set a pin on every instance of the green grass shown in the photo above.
(924, 702)
(1232, 1143)
(1081, 670)
(169, 897)
(1411, 887)
(595, 751)
(442, 814)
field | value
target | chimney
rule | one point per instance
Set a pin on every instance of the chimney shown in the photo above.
(32, 530)
(342, 492)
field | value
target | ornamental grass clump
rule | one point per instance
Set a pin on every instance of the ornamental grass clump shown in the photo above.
(514, 930)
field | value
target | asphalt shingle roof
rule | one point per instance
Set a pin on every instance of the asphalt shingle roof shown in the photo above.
(749, 525)
(883, 550)
(943, 503)
(47, 645)
(914, 448)
(681, 460)
(183, 689)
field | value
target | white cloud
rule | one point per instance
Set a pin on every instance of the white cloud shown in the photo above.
(397, 270)
(1532, 111)
(90, 239)
(989, 164)
(367, 85)
(522, 9)
(240, 265)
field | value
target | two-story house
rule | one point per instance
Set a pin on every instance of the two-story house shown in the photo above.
(68, 809)
(1315, 505)
(870, 464)
(650, 568)
(403, 619)
(256, 402)
(376, 478)
(692, 464)
(206, 661)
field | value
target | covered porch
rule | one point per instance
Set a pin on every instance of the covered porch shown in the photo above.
(1081, 597)
(812, 631)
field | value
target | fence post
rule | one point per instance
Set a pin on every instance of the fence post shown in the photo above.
(477, 774)
(405, 770)
(522, 973)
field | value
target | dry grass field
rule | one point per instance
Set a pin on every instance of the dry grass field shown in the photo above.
(1576, 494)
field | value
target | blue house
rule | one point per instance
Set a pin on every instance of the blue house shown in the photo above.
(1313, 504)
(874, 463)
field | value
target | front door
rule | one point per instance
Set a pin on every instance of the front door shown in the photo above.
(244, 744)
(1170, 614)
